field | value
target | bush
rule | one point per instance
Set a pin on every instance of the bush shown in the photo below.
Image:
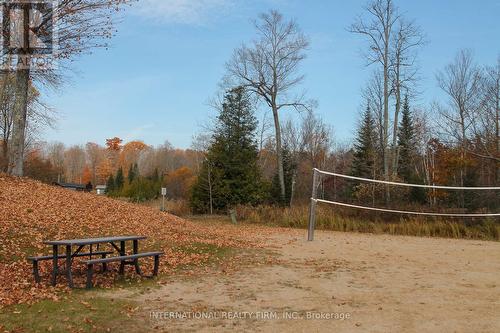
(141, 189)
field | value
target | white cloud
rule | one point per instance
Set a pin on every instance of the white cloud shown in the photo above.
(138, 133)
(192, 12)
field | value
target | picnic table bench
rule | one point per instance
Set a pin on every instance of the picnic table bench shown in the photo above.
(123, 258)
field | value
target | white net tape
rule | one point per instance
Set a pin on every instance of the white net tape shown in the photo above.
(406, 185)
(404, 211)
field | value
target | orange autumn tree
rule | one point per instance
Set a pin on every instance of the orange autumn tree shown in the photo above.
(87, 176)
(114, 144)
(103, 171)
(129, 154)
(95, 155)
(113, 149)
(179, 183)
(38, 168)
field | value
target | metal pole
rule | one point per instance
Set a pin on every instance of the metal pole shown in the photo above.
(312, 208)
(312, 220)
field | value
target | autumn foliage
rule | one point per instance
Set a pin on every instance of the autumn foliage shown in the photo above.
(31, 212)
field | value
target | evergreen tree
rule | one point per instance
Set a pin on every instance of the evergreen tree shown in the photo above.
(132, 173)
(136, 170)
(230, 171)
(119, 179)
(110, 185)
(363, 164)
(406, 144)
(155, 177)
(408, 152)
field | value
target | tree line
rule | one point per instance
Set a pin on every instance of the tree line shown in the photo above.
(242, 160)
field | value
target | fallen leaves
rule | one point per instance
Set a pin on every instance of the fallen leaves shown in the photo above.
(31, 212)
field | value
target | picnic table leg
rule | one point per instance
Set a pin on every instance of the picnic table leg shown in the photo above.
(36, 274)
(54, 264)
(68, 266)
(157, 264)
(122, 253)
(136, 261)
(104, 265)
(90, 271)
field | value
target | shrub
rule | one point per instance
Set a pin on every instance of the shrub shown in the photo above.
(141, 189)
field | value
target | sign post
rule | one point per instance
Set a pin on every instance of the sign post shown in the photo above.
(163, 194)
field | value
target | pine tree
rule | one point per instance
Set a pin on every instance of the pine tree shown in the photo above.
(155, 177)
(408, 152)
(406, 144)
(230, 171)
(131, 173)
(119, 179)
(363, 164)
(110, 185)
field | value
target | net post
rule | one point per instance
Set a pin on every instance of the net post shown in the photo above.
(312, 208)
(312, 220)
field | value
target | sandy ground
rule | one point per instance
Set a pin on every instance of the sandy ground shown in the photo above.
(376, 283)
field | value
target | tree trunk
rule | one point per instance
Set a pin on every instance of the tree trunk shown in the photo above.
(386, 113)
(292, 190)
(463, 170)
(5, 156)
(279, 153)
(395, 152)
(386, 125)
(20, 111)
(386, 96)
(497, 127)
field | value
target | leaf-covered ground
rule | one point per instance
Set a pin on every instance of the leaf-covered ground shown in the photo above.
(31, 212)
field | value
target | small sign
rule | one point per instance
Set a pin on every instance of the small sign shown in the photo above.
(163, 191)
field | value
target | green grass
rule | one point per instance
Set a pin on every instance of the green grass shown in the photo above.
(216, 254)
(79, 312)
(203, 248)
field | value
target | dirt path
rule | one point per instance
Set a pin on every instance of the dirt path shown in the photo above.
(376, 283)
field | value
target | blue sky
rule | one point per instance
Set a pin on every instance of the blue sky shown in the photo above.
(153, 84)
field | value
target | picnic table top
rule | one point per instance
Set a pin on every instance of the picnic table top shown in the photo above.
(89, 241)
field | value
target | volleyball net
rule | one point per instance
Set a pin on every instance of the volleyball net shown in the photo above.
(390, 197)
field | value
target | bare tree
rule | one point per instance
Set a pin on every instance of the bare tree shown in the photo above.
(293, 144)
(264, 138)
(81, 25)
(373, 93)
(74, 163)
(316, 137)
(39, 116)
(200, 144)
(6, 101)
(95, 154)
(55, 154)
(269, 69)
(461, 81)
(404, 72)
(379, 30)
(486, 123)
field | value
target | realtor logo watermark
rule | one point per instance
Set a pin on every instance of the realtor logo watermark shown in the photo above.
(29, 34)
(243, 315)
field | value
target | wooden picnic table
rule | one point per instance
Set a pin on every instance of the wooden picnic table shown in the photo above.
(81, 243)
